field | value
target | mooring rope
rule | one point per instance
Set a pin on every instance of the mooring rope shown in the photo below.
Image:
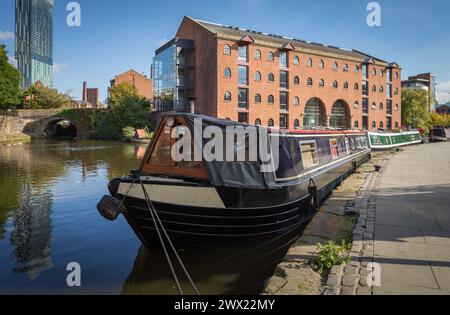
(154, 215)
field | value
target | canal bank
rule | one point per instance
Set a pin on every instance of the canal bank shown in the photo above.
(338, 219)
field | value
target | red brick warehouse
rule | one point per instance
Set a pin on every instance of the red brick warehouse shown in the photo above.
(259, 78)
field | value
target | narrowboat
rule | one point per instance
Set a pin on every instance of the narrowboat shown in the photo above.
(209, 202)
(387, 140)
(439, 134)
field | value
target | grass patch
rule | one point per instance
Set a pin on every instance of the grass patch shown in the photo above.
(331, 254)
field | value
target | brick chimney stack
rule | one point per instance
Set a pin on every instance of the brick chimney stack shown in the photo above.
(84, 91)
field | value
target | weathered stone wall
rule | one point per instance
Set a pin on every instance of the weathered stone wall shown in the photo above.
(11, 129)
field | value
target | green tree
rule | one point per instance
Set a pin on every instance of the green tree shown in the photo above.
(38, 97)
(9, 82)
(415, 109)
(126, 109)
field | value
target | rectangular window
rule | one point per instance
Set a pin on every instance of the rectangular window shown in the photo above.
(284, 101)
(310, 156)
(389, 75)
(242, 53)
(334, 149)
(365, 90)
(365, 106)
(243, 75)
(365, 122)
(283, 59)
(243, 98)
(243, 118)
(284, 121)
(284, 79)
(365, 73)
(389, 123)
(389, 107)
(388, 90)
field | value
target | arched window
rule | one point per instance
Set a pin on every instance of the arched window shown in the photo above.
(356, 124)
(296, 60)
(346, 68)
(381, 89)
(271, 77)
(396, 75)
(374, 125)
(258, 76)
(346, 85)
(296, 101)
(381, 125)
(340, 115)
(321, 64)
(381, 72)
(356, 86)
(381, 107)
(396, 125)
(396, 107)
(335, 84)
(257, 98)
(227, 73)
(321, 83)
(270, 56)
(296, 124)
(258, 122)
(356, 105)
(227, 50)
(227, 97)
(314, 115)
(335, 66)
(374, 88)
(296, 80)
(271, 123)
(271, 99)
(374, 106)
(309, 63)
(310, 81)
(257, 54)
(396, 91)
(374, 71)
(356, 69)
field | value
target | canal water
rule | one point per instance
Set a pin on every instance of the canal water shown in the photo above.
(48, 218)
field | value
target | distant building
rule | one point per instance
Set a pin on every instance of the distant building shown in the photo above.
(270, 80)
(90, 96)
(34, 41)
(423, 81)
(443, 109)
(140, 81)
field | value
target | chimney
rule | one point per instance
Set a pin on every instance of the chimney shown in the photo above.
(84, 91)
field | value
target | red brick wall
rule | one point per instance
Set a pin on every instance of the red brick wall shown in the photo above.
(142, 84)
(211, 84)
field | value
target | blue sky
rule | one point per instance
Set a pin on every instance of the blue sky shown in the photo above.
(116, 35)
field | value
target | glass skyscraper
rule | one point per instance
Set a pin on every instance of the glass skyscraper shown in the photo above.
(34, 41)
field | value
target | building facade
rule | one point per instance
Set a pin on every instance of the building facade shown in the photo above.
(34, 41)
(90, 96)
(423, 81)
(141, 82)
(259, 78)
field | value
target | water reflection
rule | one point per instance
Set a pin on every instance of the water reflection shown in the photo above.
(240, 269)
(32, 232)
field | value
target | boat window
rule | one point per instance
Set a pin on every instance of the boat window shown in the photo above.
(334, 148)
(290, 164)
(347, 145)
(310, 156)
(161, 153)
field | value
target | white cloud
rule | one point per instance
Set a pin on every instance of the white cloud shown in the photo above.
(6, 35)
(59, 67)
(443, 92)
(12, 61)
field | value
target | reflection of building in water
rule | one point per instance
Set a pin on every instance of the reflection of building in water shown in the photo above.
(32, 232)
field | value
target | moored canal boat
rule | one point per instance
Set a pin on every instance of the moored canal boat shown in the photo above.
(387, 140)
(216, 202)
(439, 134)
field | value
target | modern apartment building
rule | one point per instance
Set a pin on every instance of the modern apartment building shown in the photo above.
(259, 78)
(423, 81)
(34, 41)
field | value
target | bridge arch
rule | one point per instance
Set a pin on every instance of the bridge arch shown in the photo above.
(59, 127)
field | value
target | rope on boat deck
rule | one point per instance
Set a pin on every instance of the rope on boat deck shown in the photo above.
(156, 220)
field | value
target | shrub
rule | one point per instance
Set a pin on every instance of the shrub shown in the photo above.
(331, 254)
(128, 133)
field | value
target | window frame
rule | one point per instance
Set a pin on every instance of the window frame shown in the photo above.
(227, 50)
(301, 143)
